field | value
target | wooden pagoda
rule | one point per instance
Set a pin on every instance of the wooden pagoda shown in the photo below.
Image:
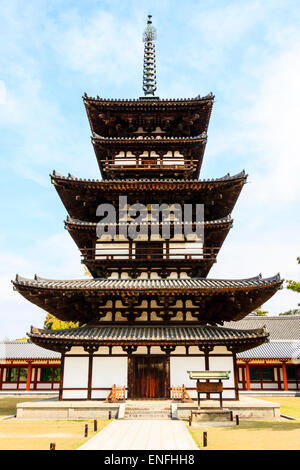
(149, 313)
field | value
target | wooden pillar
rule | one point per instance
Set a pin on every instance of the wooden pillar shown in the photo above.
(236, 376)
(167, 349)
(90, 349)
(28, 377)
(1, 376)
(130, 376)
(206, 359)
(61, 382)
(130, 249)
(248, 376)
(277, 368)
(37, 370)
(167, 383)
(90, 372)
(285, 381)
(207, 350)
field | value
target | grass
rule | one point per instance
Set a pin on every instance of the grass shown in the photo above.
(251, 435)
(8, 404)
(288, 405)
(26, 434)
(18, 434)
(256, 435)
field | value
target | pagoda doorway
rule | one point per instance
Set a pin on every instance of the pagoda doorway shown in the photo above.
(149, 377)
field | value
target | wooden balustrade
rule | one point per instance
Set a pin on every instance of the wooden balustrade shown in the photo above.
(116, 394)
(129, 164)
(180, 393)
(91, 254)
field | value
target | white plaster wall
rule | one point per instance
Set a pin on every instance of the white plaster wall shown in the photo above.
(270, 385)
(221, 350)
(75, 376)
(156, 350)
(74, 394)
(194, 350)
(120, 250)
(223, 363)
(103, 350)
(141, 350)
(179, 350)
(41, 386)
(10, 385)
(22, 386)
(106, 372)
(77, 350)
(178, 371)
(117, 350)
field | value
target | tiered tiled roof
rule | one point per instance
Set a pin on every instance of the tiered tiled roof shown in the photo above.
(178, 125)
(216, 300)
(148, 139)
(284, 340)
(141, 102)
(274, 350)
(25, 350)
(100, 111)
(149, 284)
(149, 335)
(208, 223)
(81, 197)
(165, 183)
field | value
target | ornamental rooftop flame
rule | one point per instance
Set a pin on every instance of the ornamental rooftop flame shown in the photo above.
(149, 76)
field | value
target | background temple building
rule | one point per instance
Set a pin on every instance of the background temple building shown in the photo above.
(273, 366)
(149, 313)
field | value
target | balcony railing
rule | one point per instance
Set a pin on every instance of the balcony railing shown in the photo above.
(144, 254)
(150, 164)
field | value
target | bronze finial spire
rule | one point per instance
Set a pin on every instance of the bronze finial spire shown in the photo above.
(149, 76)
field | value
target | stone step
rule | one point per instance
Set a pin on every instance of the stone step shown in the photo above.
(210, 415)
(167, 410)
(147, 414)
(148, 411)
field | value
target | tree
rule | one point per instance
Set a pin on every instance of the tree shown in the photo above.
(53, 323)
(294, 311)
(86, 271)
(294, 285)
(259, 313)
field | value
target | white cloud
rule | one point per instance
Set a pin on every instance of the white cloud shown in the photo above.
(56, 257)
(101, 46)
(9, 109)
(273, 122)
(228, 22)
(244, 259)
(259, 119)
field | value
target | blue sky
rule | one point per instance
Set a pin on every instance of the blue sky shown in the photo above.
(51, 52)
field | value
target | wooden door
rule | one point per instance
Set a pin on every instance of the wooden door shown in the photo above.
(149, 377)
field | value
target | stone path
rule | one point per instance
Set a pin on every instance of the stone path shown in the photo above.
(142, 434)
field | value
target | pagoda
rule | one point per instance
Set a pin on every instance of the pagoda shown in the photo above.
(148, 313)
